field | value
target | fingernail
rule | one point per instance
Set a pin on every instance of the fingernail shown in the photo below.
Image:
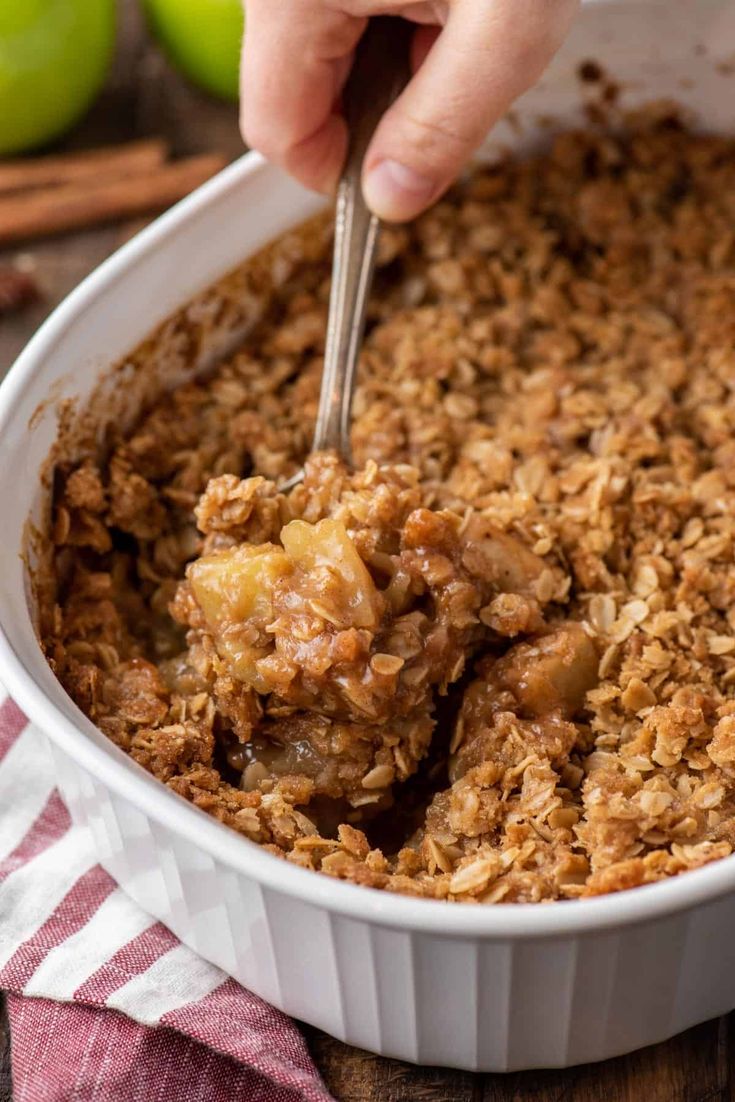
(395, 192)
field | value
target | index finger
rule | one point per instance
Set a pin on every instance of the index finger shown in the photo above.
(296, 57)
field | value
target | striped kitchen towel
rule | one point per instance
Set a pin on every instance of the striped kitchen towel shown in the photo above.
(104, 1003)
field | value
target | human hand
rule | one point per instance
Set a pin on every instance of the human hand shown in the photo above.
(471, 59)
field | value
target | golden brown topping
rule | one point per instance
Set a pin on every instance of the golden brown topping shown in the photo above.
(544, 441)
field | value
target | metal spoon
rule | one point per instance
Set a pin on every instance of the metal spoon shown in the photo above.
(380, 71)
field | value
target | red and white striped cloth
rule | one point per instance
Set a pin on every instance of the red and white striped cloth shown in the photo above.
(105, 1003)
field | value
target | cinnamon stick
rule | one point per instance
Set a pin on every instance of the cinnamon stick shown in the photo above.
(89, 164)
(52, 210)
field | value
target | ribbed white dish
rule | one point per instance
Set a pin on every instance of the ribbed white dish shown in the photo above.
(492, 988)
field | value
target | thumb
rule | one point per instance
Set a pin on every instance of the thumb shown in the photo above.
(487, 54)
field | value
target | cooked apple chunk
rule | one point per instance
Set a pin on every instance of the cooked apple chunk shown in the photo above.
(234, 589)
(325, 553)
(537, 687)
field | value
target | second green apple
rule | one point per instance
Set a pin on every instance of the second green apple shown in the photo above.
(202, 38)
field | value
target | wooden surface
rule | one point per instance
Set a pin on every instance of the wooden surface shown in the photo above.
(145, 98)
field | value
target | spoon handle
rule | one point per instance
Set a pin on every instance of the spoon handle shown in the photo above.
(380, 72)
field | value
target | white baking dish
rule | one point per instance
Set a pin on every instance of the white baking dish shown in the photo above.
(498, 987)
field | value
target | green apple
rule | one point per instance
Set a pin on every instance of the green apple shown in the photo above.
(54, 56)
(202, 38)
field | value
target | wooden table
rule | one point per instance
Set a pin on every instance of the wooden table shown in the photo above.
(145, 98)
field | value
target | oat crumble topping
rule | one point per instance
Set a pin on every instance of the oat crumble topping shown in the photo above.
(497, 661)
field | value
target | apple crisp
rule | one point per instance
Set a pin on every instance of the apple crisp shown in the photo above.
(496, 660)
